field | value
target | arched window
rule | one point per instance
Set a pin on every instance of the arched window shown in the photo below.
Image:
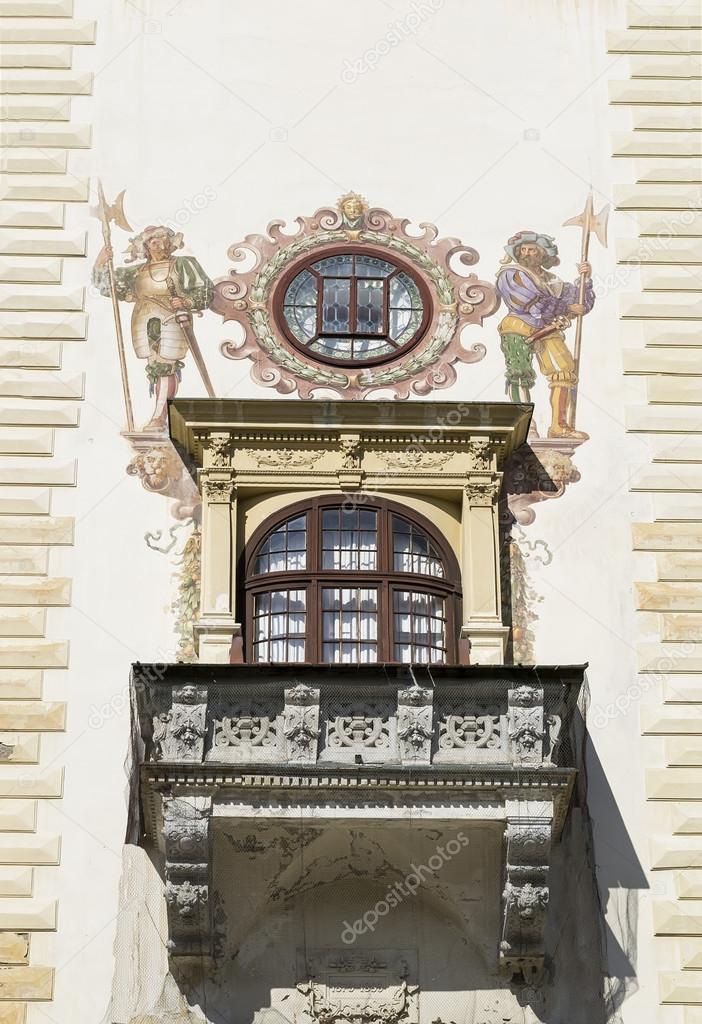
(335, 581)
(353, 307)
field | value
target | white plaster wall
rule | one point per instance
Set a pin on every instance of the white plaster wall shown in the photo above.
(492, 117)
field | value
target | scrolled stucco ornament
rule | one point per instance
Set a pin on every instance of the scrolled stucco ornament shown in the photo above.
(251, 296)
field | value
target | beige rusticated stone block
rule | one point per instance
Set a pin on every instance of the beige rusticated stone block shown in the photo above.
(20, 748)
(15, 383)
(17, 783)
(655, 16)
(33, 161)
(35, 55)
(665, 66)
(65, 187)
(684, 597)
(38, 472)
(666, 537)
(690, 954)
(17, 501)
(17, 882)
(30, 297)
(22, 622)
(663, 226)
(642, 91)
(679, 334)
(33, 268)
(659, 197)
(682, 689)
(680, 988)
(21, 684)
(35, 984)
(679, 566)
(67, 83)
(686, 627)
(31, 983)
(666, 307)
(670, 144)
(18, 411)
(34, 108)
(682, 170)
(23, 561)
(662, 41)
(36, 8)
(670, 279)
(48, 30)
(674, 784)
(676, 449)
(64, 136)
(31, 355)
(684, 753)
(14, 243)
(678, 507)
(671, 918)
(26, 441)
(33, 653)
(13, 1013)
(27, 849)
(666, 478)
(38, 215)
(662, 360)
(666, 118)
(688, 885)
(49, 592)
(673, 389)
(18, 816)
(37, 530)
(665, 721)
(671, 420)
(45, 716)
(667, 250)
(14, 948)
(52, 326)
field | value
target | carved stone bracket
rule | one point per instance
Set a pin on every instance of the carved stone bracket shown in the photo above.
(218, 449)
(186, 838)
(539, 471)
(525, 717)
(526, 894)
(415, 726)
(179, 734)
(301, 723)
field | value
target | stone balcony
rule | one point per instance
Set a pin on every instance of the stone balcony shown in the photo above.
(486, 747)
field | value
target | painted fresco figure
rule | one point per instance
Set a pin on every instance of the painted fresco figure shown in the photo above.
(538, 300)
(163, 287)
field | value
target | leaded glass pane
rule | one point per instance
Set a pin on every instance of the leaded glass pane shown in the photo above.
(420, 627)
(336, 305)
(413, 551)
(349, 625)
(350, 539)
(285, 549)
(369, 308)
(280, 618)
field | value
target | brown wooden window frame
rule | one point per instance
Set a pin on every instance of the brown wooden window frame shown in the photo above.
(385, 578)
(401, 266)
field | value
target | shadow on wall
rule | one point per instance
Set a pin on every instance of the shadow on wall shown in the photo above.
(594, 872)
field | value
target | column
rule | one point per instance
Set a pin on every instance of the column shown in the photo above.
(480, 570)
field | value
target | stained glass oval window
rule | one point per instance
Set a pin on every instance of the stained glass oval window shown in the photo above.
(354, 308)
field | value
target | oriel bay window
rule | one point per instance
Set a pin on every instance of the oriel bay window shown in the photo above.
(341, 582)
